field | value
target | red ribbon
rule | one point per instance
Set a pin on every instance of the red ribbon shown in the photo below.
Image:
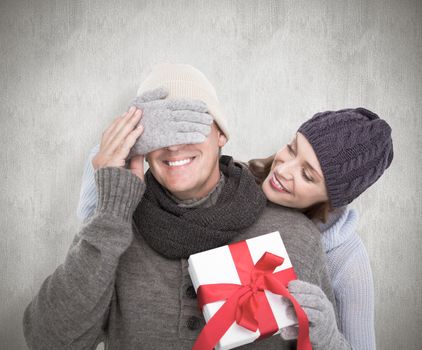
(247, 303)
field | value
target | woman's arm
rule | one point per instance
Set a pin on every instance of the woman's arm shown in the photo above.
(354, 293)
(88, 193)
(316, 297)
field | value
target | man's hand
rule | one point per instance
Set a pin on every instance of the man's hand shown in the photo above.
(136, 166)
(323, 330)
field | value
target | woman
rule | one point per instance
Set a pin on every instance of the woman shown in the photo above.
(333, 158)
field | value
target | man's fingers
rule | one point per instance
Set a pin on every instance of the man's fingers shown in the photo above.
(124, 149)
(121, 132)
(112, 125)
(123, 121)
(110, 133)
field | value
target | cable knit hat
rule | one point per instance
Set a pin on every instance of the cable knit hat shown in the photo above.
(185, 81)
(353, 146)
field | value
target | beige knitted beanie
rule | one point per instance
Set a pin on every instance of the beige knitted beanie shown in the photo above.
(185, 81)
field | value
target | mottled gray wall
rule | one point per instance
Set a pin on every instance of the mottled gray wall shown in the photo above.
(69, 67)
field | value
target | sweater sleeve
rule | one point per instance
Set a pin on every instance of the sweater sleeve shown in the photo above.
(88, 194)
(355, 299)
(320, 277)
(71, 308)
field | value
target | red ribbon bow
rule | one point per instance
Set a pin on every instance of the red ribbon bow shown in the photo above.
(247, 303)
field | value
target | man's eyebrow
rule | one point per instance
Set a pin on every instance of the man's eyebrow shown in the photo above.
(306, 163)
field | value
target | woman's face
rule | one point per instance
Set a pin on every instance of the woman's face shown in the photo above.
(296, 179)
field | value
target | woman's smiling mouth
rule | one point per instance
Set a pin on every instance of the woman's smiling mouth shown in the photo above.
(276, 184)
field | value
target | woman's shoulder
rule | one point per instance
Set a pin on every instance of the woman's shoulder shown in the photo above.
(340, 229)
(346, 252)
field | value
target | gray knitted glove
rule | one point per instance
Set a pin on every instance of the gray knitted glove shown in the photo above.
(169, 122)
(323, 330)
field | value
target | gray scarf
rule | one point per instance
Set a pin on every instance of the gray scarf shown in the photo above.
(177, 232)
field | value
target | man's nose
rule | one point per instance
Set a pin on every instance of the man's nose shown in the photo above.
(174, 148)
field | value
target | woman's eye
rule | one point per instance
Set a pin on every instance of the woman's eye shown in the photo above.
(290, 150)
(306, 177)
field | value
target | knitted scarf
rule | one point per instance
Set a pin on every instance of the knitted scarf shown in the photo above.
(177, 232)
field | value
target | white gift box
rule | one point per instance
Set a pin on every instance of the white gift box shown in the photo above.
(216, 266)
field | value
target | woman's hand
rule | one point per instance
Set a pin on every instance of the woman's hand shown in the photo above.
(116, 142)
(323, 330)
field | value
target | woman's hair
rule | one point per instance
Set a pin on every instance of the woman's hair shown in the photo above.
(260, 168)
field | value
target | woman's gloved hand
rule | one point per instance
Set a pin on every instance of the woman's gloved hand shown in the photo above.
(168, 122)
(323, 330)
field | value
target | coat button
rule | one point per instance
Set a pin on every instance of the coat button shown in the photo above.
(193, 323)
(190, 292)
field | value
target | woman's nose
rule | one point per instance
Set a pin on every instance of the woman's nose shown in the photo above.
(285, 170)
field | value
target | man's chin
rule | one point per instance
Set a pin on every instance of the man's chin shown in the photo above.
(178, 184)
(181, 192)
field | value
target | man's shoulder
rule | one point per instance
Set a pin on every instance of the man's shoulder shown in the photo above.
(291, 223)
(300, 236)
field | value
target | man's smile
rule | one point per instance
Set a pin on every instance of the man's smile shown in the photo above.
(180, 162)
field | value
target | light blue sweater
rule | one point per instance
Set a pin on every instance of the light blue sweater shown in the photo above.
(348, 264)
(88, 193)
(351, 277)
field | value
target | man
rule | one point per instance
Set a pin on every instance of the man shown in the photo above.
(125, 279)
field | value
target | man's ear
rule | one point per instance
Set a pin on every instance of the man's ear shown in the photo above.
(222, 139)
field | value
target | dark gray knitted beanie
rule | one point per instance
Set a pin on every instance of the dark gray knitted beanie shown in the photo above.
(353, 146)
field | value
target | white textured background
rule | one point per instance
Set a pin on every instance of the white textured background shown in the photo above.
(69, 67)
